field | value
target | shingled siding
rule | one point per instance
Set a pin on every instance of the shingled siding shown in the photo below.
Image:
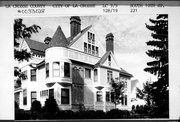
(77, 96)
(88, 97)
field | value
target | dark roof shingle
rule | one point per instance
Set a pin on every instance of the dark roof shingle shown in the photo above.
(36, 46)
(58, 39)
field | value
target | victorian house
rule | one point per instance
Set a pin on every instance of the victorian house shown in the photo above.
(74, 71)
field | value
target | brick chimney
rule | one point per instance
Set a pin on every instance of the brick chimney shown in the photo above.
(75, 22)
(110, 42)
(47, 40)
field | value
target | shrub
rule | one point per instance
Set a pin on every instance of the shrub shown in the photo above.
(16, 105)
(50, 106)
(21, 114)
(116, 113)
(35, 109)
(36, 106)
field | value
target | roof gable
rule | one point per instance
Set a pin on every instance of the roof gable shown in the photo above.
(36, 47)
(58, 39)
(103, 60)
(78, 35)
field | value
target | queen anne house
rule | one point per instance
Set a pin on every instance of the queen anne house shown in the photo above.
(74, 71)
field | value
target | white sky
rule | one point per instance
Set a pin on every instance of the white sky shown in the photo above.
(130, 37)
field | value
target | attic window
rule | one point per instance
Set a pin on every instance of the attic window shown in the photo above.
(85, 47)
(97, 51)
(93, 50)
(89, 48)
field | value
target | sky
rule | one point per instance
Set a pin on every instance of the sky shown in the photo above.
(130, 37)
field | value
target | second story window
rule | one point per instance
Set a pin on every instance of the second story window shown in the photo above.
(66, 69)
(95, 75)
(25, 75)
(56, 69)
(87, 73)
(47, 70)
(33, 74)
(109, 76)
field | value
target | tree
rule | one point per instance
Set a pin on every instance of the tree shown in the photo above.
(21, 31)
(117, 90)
(147, 95)
(159, 66)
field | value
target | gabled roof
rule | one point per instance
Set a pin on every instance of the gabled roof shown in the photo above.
(104, 58)
(58, 39)
(124, 72)
(35, 46)
(73, 40)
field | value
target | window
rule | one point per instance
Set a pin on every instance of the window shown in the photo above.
(93, 38)
(25, 97)
(108, 99)
(95, 75)
(122, 100)
(87, 73)
(99, 96)
(33, 74)
(125, 84)
(64, 96)
(25, 75)
(109, 76)
(93, 50)
(51, 93)
(44, 93)
(56, 69)
(109, 60)
(89, 48)
(66, 69)
(47, 70)
(33, 96)
(89, 36)
(85, 47)
(97, 51)
(125, 99)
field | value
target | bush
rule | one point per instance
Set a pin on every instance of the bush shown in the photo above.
(50, 106)
(116, 113)
(35, 109)
(36, 106)
(22, 114)
(16, 105)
